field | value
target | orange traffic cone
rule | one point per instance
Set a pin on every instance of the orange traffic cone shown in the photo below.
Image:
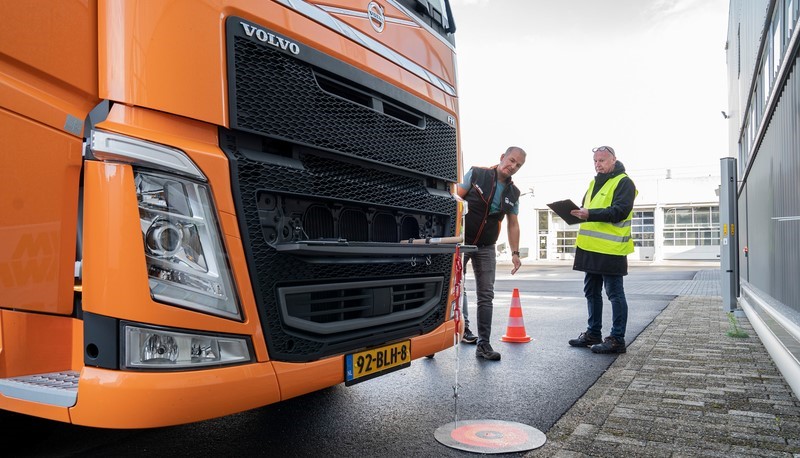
(516, 326)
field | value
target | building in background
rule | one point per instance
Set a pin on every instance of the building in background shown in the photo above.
(675, 217)
(764, 119)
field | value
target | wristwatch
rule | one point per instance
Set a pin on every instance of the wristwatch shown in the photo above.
(515, 253)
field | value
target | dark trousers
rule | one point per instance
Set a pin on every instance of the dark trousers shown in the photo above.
(593, 290)
(484, 266)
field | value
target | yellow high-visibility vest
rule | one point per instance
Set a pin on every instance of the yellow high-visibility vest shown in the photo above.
(601, 237)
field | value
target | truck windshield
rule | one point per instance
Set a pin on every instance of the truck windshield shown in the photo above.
(435, 13)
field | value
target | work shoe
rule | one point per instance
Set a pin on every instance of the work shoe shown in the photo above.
(585, 340)
(486, 351)
(610, 345)
(469, 337)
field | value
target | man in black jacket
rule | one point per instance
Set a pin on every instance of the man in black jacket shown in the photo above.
(491, 196)
(602, 247)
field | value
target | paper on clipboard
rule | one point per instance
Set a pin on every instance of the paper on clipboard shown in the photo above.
(562, 209)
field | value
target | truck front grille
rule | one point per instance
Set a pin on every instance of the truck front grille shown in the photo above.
(276, 206)
(319, 156)
(281, 96)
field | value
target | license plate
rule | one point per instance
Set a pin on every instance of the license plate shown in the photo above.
(368, 364)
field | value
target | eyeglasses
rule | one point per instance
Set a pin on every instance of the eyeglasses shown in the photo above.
(604, 148)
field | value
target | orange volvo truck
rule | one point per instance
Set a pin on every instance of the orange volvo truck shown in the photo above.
(208, 206)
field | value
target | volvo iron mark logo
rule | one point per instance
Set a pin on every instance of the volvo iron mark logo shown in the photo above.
(376, 17)
(270, 38)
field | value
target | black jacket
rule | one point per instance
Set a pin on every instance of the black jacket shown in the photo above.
(481, 227)
(621, 206)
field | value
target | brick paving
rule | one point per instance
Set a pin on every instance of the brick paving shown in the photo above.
(684, 388)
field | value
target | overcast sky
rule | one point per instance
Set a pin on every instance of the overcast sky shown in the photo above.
(560, 77)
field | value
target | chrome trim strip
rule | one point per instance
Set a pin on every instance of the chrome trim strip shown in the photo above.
(363, 15)
(315, 13)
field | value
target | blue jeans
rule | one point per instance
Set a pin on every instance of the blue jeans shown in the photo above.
(593, 290)
(484, 263)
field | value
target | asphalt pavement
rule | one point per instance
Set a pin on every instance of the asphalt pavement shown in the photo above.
(684, 388)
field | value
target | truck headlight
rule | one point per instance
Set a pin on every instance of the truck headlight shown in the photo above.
(186, 263)
(151, 348)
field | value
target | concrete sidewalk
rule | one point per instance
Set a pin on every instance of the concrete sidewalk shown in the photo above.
(684, 388)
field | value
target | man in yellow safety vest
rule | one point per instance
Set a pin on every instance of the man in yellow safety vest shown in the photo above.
(602, 248)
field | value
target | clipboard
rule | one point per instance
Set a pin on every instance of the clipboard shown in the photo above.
(562, 209)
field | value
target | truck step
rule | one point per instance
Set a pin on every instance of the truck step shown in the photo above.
(53, 388)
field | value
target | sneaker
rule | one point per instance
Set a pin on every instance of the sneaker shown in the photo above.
(486, 351)
(610, 345)
(585, 340)
(469, 337)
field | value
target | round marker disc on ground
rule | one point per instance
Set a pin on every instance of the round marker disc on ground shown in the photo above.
(489, 436)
